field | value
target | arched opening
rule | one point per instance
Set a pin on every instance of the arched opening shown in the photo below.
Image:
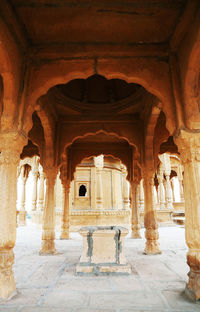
(82, 191)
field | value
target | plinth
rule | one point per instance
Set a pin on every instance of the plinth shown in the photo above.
(103, 251)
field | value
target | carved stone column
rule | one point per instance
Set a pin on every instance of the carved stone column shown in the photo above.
(135, 211)
(10, 147)
(34, 187)
(173, 189)
(189, 148)
(48, 233)
(165, 158)
(125, 190)
(41, 191)
(150, 219)
(168, 192)
(161, 190)
(22, 211)
(141, 195)
(65, 223)
(180, 179)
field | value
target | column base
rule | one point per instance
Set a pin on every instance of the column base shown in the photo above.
(7, 282)
(135, 233)
(152, 245)
(22, 218)
(152, 248)
(192, 289)
(48, 247)
(64, 234)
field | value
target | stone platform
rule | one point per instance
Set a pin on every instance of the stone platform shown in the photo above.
(103, 251)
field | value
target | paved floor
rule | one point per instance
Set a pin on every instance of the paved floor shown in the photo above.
(49, 283)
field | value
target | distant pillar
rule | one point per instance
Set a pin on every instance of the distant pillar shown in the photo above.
(180, 179)
(150, 218)
(135, 211)
(22, 211)
(168, 192)
(65, 221)
(173, 189)
(161, 190)
(141, 195)
(125, 190)
(34, 188)
(41, 191)
(48, 232)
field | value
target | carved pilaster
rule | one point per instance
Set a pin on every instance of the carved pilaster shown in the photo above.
(135, 211)
(48, 233)
(189, 148)
(150, 219)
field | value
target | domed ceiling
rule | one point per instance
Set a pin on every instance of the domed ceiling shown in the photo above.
(97, 89)
(96, 95)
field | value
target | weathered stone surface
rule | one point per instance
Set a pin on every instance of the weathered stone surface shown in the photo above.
(134, 80)
(103, 251)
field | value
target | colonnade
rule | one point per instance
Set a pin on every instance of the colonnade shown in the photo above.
(27, 166)
(190, 159)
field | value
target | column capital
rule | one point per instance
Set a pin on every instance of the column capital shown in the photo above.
(50, 172)
(189, 146)
(148, 175)
(11, 144)
(66, 185)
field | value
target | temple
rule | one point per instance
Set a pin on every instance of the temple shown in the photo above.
(98, 97)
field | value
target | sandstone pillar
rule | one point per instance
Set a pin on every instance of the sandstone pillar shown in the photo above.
(180, 179)
(141, 195)
(10, 146)
(161, 190)
(34, 187)
(135, 226)
(65, 222)
(150, 219)
(41, 191)
(48, 233)
(165, 158)
(173, 189)
(168, 192)
(22, 211)
(125, 191)
(189, 148)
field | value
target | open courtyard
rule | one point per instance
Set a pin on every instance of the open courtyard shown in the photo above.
(49, 283)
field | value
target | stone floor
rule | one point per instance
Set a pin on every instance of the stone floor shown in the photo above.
(49, 283)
